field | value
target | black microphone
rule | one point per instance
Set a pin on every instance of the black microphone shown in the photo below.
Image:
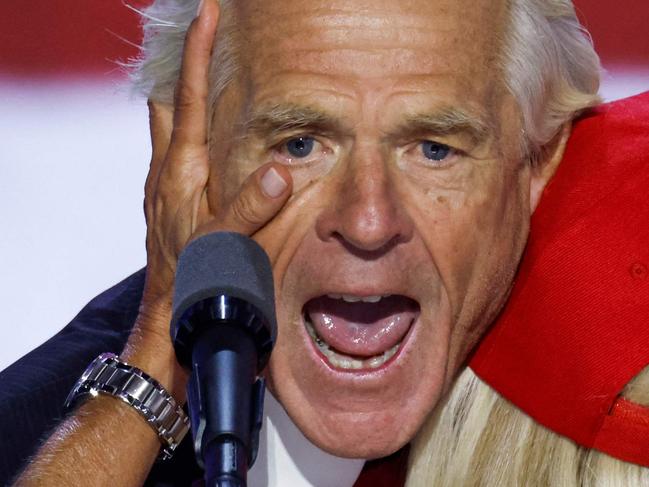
(223, 327)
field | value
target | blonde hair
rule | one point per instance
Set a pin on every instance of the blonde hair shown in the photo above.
(478, 439)
(547, 59)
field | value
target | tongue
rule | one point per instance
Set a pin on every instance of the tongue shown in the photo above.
(362, 329)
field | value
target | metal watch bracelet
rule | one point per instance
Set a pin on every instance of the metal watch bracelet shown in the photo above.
(108, 375)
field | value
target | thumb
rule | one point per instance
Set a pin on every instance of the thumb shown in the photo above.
(260, 198)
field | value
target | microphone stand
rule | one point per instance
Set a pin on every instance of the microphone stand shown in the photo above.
(223, 328)
(224, 395)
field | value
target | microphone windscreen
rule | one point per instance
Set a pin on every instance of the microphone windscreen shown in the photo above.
(225, 263)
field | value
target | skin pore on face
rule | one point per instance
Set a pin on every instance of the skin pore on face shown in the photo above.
(410, 207)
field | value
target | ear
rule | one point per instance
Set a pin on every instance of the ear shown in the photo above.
(545, 166)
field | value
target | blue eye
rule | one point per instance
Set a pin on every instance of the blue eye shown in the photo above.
(300, 146)
(434, 150)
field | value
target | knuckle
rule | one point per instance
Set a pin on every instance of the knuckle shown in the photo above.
(150, 204)
(149, 186)
(148, 211)
(184, 96)
(246, 211)
(187, 95)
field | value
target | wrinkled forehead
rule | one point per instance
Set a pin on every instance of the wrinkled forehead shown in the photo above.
(441, 34)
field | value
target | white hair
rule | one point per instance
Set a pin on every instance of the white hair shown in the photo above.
(548, 61)
(477, 438)
(550, 66)
(165, 22)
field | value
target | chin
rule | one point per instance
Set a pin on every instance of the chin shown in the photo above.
(367, 436)
(358, 371)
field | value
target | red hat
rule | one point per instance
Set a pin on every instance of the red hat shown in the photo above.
(576, 328)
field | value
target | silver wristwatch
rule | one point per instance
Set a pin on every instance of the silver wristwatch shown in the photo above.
(108, 375)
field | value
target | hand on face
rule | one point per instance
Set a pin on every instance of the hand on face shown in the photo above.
(176, 205)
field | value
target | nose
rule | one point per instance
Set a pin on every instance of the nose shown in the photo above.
(365, 213)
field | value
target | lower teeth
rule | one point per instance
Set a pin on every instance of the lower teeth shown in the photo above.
(342, 361)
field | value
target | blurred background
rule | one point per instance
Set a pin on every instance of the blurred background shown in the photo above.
(74, 149)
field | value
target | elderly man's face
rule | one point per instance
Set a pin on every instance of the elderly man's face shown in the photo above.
(410, 207)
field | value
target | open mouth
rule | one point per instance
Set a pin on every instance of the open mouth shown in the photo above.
(359, 332)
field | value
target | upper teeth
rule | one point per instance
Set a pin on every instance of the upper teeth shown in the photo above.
(350, 298)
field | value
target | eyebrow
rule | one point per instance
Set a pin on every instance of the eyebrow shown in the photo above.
(277, 119)
(444, 122)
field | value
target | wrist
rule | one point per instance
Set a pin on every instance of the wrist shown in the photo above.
(149, 348)
(108, 375)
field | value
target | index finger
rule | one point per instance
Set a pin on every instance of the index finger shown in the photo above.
(190, 107)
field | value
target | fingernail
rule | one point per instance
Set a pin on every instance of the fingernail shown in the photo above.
(200, 8)
(272, 183)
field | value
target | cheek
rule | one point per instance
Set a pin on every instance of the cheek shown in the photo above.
(227, 175)
(475, 232)
(501, 227)
(284, 239)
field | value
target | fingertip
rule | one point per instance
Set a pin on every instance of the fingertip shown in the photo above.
(275, 181)
(208, 12)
